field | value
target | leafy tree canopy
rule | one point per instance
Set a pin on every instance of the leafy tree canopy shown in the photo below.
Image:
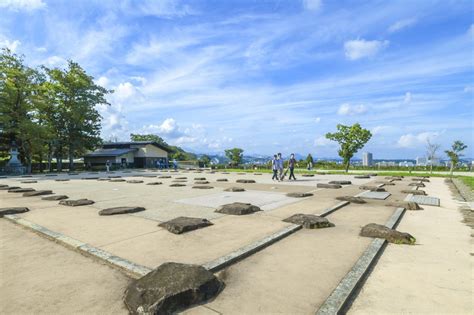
(351, 139)
(235, 155)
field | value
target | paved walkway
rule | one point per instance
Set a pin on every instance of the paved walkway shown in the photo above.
(41, 277)
(433, 277)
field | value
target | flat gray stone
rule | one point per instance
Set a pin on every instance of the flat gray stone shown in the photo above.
(394, 178)
(154, 183)
(392, 236)
(20, 190)
(76, 203)
(177, 185)
(181, 177)
(351, 199)
(62, 179)
(12, 210)
(307, 175)
(90, 178)
(6, 187)
(235, 189)
(55, 197)
(38, 193)
(3, 186)
(408, 205)
(181, 225)
(378, 195)
(120, 210)
(414, 192)
(245, 181)
(201, 182)
(238, 208)
(164, 176)
(362, 176)
(330, 186)
(117, 180)
(103, 179)
(417, 185)
(170, 288)
(222, 180)
(114, 176)
(425, 200)
(50, 175)
(134, 181)
(179, 181)
(199, 178)
(299, 194)
(340, 182)
(425, 180)
(371, 188)
(28, 181)
(202, 187)
(309, 221)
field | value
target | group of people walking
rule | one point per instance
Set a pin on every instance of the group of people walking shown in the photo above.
(278, 167)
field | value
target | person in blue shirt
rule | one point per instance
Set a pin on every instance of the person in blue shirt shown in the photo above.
(291, 166)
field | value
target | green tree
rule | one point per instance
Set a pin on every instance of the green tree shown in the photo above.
(74, 97)
(20, 94)
(235, 155)
(205, 159)
(455, 153)
(180, 156)
(148, 137)
(309, 159)
(351, 139)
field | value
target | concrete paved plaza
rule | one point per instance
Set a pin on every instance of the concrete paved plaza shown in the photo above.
(293, 276)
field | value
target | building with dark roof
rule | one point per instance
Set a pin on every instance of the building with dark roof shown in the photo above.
(129, 154)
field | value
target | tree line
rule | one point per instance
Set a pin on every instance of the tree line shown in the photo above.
(48, 113)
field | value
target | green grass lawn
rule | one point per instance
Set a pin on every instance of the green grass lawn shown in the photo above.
(469, 181)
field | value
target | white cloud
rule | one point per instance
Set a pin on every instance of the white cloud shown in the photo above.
(322, 141)
(55, 61)
(142, 80)
(399, 25)
(102, 81)
(312, 5)
(348, 109)
(469, 88)
(17, 5)
(124, 91)
(378, 129)
(12, 45)
(407, 98)
(360, 48)
(317, 120)
(470, 31)
(162, 8)
(411, 140)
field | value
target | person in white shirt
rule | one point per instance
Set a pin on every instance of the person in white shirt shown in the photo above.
(280, 166)
(275, 167)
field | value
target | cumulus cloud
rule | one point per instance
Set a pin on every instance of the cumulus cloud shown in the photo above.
(12, 45)
(400, 25)
(378, 130)
(361, 48)
(312, 5)
(322, 141)
(348, 109)
(411, 140)
(55, 61)
(102, 81)
(18, 5)
(125, 90)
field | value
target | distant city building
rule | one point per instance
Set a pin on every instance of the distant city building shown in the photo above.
(367, 159)
(386, 163)
(421, 161)
(406, 164)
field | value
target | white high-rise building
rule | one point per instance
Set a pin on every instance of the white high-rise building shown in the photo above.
(367, 159)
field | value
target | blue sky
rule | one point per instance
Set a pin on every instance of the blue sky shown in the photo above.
(265, 75)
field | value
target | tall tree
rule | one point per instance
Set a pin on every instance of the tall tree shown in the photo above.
(76, 119)
(205, 159)
(351, 139)
(431, 149)
(235, 155)
(19, 96)
(455, 153)
(148, 137)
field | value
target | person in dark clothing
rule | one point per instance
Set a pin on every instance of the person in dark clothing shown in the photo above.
(291, 166)
(275, 168)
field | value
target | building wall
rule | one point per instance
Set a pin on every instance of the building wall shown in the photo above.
(150, 151)
(129, 156)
